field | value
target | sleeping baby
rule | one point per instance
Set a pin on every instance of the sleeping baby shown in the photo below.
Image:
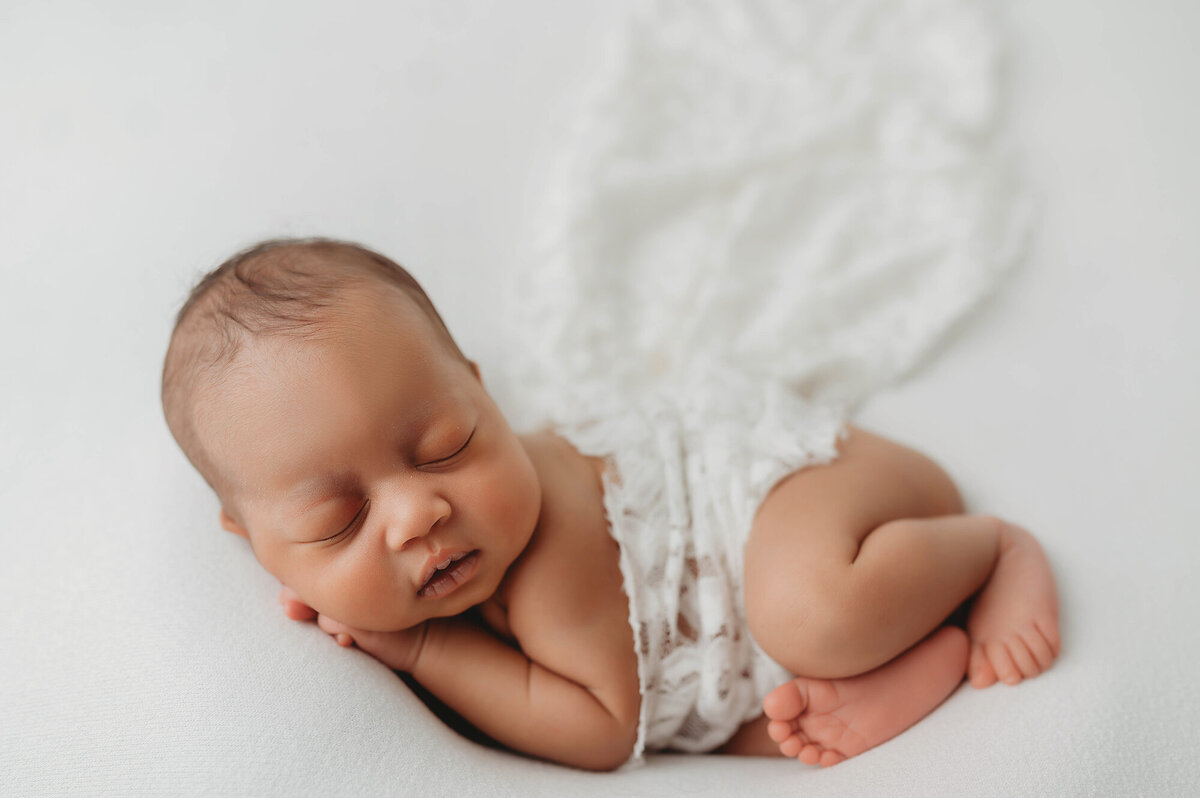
(729, 570)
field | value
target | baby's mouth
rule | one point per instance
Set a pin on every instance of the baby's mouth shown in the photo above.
(450, 574)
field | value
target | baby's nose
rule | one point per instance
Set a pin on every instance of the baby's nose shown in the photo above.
(415, 518)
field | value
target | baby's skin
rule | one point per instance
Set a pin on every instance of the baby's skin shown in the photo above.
(376, 479)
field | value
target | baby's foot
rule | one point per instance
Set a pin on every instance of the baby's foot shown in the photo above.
(823, 721)
(1014, 623)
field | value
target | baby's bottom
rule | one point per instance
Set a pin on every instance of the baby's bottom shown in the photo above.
(850, 565)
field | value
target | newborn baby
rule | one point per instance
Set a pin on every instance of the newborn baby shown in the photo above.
(519, 578)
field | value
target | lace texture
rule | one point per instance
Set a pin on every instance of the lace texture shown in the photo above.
(807, 190)
(687, 470)
(791, 198)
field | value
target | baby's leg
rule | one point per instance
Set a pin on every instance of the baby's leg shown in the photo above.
(849, 565)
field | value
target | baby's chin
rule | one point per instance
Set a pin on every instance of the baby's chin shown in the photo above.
(443, 609)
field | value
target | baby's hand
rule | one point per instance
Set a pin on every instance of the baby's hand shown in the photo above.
(398, 650)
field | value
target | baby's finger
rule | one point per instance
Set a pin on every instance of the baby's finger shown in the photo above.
(298, 611)
(293, 607)
(340, 632)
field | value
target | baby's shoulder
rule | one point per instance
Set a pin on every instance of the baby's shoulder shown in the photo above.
(571, 561)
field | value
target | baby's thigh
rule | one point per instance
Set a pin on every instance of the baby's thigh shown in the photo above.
(809, 529)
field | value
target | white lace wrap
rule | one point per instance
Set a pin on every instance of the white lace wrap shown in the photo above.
(807, 194)
(810, 190)
(687, 470)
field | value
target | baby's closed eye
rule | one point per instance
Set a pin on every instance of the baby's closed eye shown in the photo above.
(353, 524)
(457, 451)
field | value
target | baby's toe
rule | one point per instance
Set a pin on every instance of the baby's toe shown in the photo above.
(830, 758)
(1040, 647)
(780, 730)
(1049, 631)
(810, 755)
(980, 669)
(784, 702)
(1002, 662)
(1023, 658)
(791, 747)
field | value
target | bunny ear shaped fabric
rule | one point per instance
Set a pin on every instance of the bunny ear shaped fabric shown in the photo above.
(812, 192)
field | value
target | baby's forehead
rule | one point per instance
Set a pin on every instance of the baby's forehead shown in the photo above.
(362, 323)
(373, 361)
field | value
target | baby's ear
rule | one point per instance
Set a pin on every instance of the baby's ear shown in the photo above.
(229, 525)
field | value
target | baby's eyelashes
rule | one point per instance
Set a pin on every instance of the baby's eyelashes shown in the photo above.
(450, 457)
(355, 522)
(350, 527)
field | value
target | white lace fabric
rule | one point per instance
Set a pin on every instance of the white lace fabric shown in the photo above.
(786, 198)
(686, 472)
(810, 190)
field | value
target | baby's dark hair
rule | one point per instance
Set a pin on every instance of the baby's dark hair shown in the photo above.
(280, 287)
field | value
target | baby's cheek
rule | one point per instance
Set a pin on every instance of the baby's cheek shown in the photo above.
(513, 493)
(322, 587)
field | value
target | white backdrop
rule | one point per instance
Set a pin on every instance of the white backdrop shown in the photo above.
(140, 143)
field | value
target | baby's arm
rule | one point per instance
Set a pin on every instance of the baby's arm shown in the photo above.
(580, 712)
(574, 714)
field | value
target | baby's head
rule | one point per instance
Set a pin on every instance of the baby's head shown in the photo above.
(283, 289)
(317, 390)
